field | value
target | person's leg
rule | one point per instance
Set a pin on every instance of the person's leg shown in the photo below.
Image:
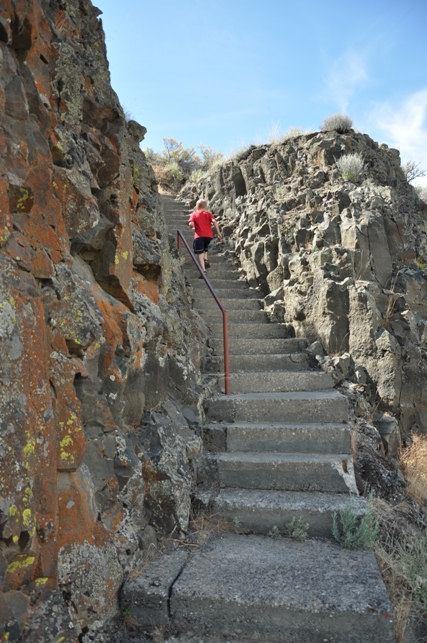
(198, 247)
(205, 254)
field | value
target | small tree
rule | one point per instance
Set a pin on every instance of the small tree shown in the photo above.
(412, 171)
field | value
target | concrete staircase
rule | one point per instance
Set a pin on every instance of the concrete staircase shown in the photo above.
(277, 448)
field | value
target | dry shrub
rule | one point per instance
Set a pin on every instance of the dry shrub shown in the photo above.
(341, 123)
(204, 526)
(413, 461)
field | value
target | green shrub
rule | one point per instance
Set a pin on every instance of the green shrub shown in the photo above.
(174, 171)
(196, 175)
(274, 532)
(297, 529)
(350, 166)
(352, 531)
(341, 123)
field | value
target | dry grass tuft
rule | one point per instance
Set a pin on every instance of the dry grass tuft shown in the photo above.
(413, 461)
(205, 526)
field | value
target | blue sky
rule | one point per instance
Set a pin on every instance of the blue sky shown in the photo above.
(225, 73)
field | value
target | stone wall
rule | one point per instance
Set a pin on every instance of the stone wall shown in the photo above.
(99, 350)
(344, 264)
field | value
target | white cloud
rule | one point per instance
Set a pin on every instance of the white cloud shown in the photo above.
(347, 76)
(405, 127)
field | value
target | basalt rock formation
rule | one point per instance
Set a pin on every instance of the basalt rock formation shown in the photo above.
(99, 350)
(343, 263)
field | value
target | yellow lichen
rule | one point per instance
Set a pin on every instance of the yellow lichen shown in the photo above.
(29, 448)
(125, 254)
(26, 517)
(20, 563)
(15, 539)
(25, 195)
(65, 456)
(12, 301)
(13, 510)
(116, 259)
(28, 492)
(66, 442)
(41, 581)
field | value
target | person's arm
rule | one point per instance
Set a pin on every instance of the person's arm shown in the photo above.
(217, 228)
(191, 222)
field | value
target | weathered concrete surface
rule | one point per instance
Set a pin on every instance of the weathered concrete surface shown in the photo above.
(260, 511)
(281, 591)
(294, 438)
(263, 382)
(146, 596)
(290, 472)
(298, 407)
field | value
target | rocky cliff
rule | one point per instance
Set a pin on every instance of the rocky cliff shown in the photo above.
(343, 263)
(99, 357)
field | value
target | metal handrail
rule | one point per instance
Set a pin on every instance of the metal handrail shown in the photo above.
(180, 237)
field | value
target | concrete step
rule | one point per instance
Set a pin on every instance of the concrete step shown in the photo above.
(276, 381)
(220, 284)
(220, 272)
(300, 407)
(281, 591)
(288, 471)
(228, 293)
(215, 316)
(217, 258)
(273, 437)
(260, 511)
(203, 303)
(293, 362)
(289, 438)
(255, 330)
(264, 347)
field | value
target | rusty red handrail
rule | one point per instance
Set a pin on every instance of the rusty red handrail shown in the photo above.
(180, 237)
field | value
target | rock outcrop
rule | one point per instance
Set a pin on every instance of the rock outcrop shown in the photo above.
(99, 350)
(344, 264)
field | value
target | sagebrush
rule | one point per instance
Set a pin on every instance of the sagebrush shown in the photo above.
(352, 530)
(340, 123)
(350, 166)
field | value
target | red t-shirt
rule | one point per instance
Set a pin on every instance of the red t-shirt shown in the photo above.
(202, 223)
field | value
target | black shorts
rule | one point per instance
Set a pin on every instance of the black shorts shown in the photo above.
(201, 244)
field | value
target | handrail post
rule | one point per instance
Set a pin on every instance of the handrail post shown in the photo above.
(226, 356)
(180, 238)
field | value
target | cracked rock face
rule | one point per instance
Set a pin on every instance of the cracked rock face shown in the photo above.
(95, 332)
(343, 263)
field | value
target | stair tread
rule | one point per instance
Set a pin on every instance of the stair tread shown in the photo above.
(295, 395)
(279, 425)
(259, 456)
(255, 586)
(276, 500)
